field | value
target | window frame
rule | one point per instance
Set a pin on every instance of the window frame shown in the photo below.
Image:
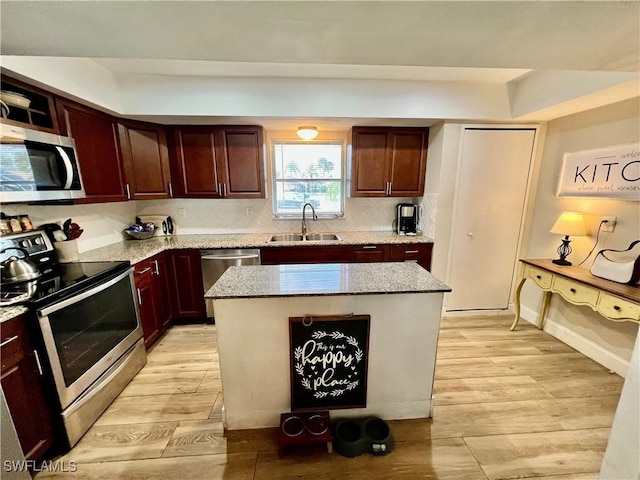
(334, 139)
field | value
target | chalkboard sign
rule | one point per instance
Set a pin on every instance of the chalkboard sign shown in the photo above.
(329, 356)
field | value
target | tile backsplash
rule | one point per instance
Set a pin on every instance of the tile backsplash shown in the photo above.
(103, 223)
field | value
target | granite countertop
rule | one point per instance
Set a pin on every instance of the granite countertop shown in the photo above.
(7, 313)
(260, 281)
(138, 250)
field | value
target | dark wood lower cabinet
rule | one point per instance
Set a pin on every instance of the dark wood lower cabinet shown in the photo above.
(169, 287)
(163, 275)
(412, 252)
(186, 288)
(23, 389)
(149, 318)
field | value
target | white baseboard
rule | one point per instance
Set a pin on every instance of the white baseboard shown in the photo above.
(583, 345)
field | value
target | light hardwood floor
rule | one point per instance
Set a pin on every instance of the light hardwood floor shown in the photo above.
(508, 405)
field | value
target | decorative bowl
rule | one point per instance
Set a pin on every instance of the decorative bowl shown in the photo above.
(140, 235)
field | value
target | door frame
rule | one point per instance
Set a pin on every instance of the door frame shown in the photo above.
(529, 196)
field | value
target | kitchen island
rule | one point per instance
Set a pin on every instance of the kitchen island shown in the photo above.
(253, 306)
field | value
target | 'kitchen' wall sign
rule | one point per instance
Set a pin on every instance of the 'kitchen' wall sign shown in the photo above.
(329, 356)
(612, 172)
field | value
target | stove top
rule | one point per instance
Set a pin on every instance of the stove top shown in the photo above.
(62, 281)
(58, 280)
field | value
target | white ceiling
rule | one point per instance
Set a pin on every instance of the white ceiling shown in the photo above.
(417, 41)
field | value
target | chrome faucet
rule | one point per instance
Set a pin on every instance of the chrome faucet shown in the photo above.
(304, 220)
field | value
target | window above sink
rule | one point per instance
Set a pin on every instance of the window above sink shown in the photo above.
(308, 172)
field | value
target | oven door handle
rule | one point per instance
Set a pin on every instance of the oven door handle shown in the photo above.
(84, 295)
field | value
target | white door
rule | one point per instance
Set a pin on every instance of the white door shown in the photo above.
(493, 174)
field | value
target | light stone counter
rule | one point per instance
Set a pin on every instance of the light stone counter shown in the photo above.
(7, 313)
(255, 281)
(138, 250)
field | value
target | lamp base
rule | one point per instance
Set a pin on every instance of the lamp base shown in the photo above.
(563, 262)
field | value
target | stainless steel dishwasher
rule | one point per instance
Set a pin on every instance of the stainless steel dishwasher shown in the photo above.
(216, 262)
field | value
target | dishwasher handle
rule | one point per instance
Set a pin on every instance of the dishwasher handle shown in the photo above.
(230, 257)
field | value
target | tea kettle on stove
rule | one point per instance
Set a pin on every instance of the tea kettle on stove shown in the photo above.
(15, 270)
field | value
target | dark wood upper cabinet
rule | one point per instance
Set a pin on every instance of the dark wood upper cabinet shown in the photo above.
(146, 160)
(218, 162)
(40, 113)
(194, 166)
(388, 162)
(96, 137)
(241, 157)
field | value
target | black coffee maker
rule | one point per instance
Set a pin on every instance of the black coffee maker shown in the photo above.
(407, 219)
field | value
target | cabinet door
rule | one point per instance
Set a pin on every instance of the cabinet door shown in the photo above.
(408, 156)
(40, 112)
(194, 163)
(241, 161)
(96, 138)
(186, 288)
(420, 253)
(21, 384)
(370, 166)
(291, 255)
(146, 160)
(162, 289)
(370, 253)
(143, 276)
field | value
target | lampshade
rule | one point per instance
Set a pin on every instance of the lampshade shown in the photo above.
(569, 223)
(307, 132)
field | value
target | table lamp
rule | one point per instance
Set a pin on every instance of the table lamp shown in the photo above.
(569, 223)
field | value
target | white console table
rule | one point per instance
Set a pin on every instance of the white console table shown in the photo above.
(614, 301)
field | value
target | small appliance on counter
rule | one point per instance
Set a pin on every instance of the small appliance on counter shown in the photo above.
(165, 225)
(407, 219)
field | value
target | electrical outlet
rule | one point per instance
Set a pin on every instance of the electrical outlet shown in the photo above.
(248, 212)
(182, 213)
(610, 225)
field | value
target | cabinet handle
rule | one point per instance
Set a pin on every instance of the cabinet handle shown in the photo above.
(224, 189)
(369, 247)
(616, 308)
(128, 189)
(220, 189)
(389, 188)
(139, 296)
(156, 270)
(143, 271)
(409, 252)
(35, 354)
(572, 290)
(538, 277)
(6, 342)
(170, 189)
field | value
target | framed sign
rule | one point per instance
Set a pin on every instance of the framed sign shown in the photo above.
(612, 172)
(329, 356)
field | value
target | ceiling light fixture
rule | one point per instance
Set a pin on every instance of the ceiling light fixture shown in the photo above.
(307, 132)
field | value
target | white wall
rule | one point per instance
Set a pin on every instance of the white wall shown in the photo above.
(621, 460)
(608, 342)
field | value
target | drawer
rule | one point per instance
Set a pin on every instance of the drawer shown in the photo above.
(13, 341)
(541, 277)
(575, 292)
(617, 308)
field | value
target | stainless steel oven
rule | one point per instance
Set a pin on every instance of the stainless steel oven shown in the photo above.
(88, 319)
(93, 342)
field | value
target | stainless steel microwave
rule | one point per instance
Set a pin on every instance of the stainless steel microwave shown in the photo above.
(37, 166)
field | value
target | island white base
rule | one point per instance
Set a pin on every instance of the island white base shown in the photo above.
(253, 345)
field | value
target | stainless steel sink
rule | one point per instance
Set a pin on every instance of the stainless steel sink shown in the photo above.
(310, 237)
(286, 237)
(322, 236)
